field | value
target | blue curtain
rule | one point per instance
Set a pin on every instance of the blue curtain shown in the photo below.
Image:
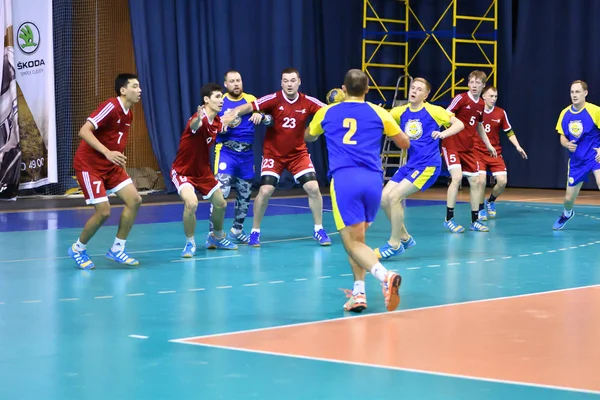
(554, 44)
(180, 45)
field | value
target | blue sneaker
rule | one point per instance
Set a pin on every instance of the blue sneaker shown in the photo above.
(408, 243)
(453, 226)
(241, 238)
(482, 214)
(213, 242)
(479, 227)
(81, 258)
(491, 209)
(562, 221)
(189, 250)
(121, 257)
(321, 237)
(386, 251)
(254, 239)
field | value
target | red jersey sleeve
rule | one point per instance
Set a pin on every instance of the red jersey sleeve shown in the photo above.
(313, 104)
(103, 115)
(456, 104)
(265, 103)
(505, 124)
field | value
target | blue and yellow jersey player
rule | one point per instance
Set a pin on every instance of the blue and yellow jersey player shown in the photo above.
(353, 131)
(578, 127)
(234, 159)
(422, 123)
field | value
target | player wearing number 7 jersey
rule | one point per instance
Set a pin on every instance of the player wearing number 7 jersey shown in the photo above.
(99, 164)
(353, 132)
(284, 148)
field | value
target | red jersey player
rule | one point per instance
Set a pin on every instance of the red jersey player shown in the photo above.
(459, 155)
(284, 148)
(99, 164)
(494, 120)
(192, 170)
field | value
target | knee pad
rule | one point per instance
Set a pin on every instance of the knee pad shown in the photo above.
(310, 176)
(269, 180)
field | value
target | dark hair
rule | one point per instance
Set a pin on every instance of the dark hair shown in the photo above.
(489, 87)
(356, 82)
(122, 80)
(290, 71)
(208, 89)
(231, 71)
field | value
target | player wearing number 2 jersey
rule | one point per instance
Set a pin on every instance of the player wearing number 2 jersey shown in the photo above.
(459, 155)
(494, 120)
(284, 148)
(99, 164)
(353, 132)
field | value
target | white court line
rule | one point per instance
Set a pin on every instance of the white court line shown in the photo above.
(291, 206)
(204, 258)
(138, 336)
(186, 341)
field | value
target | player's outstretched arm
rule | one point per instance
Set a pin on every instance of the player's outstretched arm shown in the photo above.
(308, 137)
(456, 125)
(197, 122)
(87, 134)
(242, 110)
(513, 139)
(401, 140)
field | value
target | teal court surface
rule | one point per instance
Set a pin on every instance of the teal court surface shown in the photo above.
(509, 314)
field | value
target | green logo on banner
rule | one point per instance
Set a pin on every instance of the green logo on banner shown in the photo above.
(28, 37)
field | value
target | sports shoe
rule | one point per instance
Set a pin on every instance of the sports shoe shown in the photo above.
(189, 250)
(386, 251)
(321, 237)
(121, 257)
(408, 243)
(254, 239)
(356, 303)
(562, 221)
(453, 226)
(390, 288)
(479, 227)
(491, 209)
(81, 258)
(240, 238)
(213, 242)
(482, 214)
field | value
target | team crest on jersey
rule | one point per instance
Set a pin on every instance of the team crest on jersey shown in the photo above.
(575, 128)
(413, 128)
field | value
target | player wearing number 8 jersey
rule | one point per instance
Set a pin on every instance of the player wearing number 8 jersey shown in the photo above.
(494, 120)
(284, 148)
(353, 132)
(99, 165)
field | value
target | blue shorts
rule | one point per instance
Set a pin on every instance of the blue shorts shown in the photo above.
(579, 171)
(422, 176)
(238, 164)
(355, 196)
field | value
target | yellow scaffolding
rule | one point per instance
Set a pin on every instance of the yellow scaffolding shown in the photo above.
(453, 32)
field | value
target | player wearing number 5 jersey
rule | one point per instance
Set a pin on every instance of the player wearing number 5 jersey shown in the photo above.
(353, 132)
(99, 164)
(494, 120)
(458, 152)
(284, 148)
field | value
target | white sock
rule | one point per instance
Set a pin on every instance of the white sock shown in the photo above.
(567, 213)
(236, 231)
(118, 245)
(191, 240)
(359, 288)
(318, 227)
(79, 246)
(379, 272)
(255, 230)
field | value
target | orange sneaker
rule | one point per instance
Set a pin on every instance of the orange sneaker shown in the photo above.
(356, 303)
(390, 289)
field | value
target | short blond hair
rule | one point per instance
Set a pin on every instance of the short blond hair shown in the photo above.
(425, 82)
(582, 83)
(478, 75)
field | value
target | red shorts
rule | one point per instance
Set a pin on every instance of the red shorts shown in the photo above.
(96, 186)
(487, 162)
(206, 184)
(466, 160)
(298, 164)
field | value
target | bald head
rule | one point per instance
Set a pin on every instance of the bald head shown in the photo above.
(356, 83)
